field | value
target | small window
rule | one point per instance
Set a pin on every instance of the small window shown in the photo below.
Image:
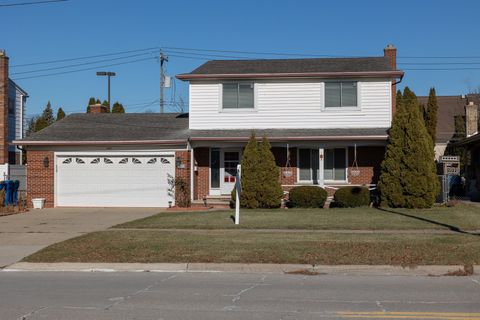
(95, 161)
(238, 95)
(80, 161)
(164, 161)
(152, 161)
(107, 161)
(340, 94)
(136, 161)
(123, 161)
(67, 161)
(334, 164)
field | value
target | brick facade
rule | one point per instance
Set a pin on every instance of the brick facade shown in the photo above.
(40, 180)
(369, 160)
(3, 108)
(390, 52)
(202, 175)
(288, 175)
(182, 172)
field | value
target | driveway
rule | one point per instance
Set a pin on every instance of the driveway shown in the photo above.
(26, 233)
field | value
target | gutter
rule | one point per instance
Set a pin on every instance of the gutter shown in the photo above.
(102, 143)
(366, 74)
(308, 138)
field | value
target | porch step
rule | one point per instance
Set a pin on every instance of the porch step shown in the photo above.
(212, 203)
(222, 197)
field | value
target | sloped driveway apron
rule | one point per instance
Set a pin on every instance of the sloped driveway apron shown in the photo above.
(26, 233)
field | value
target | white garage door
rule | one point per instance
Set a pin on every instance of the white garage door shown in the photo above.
(115, 181)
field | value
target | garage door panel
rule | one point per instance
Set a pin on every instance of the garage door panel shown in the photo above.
(128, 180)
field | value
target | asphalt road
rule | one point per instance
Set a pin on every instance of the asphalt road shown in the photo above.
(60, 295)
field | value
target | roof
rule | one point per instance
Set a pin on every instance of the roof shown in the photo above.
(14, 84)
(169, 128)
(448, 108)
(313, 67)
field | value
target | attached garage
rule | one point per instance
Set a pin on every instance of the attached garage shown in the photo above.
(115, 180)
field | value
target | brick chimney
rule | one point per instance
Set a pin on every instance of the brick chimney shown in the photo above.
(98, 108)
(3, 107)
(390, 52)
(471, 119)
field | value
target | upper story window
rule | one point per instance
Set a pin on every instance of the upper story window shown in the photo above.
(238, 95)
(340, 94)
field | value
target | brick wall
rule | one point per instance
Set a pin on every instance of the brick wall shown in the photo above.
(3, 108)
(202, 175)
(40, 180)
(390, 52)
(182, 172)
(369, 160)
(280, 155)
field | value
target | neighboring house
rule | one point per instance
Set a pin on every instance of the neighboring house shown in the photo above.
(12, 115)
(449, 107)
(317, 114)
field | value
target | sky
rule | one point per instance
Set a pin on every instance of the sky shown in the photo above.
(74, 29)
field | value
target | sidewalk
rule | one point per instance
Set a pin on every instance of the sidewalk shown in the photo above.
(304, 269)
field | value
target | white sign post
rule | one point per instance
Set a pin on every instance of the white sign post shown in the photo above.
(238, 186)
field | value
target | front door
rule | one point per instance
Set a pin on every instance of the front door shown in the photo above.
(230, 158)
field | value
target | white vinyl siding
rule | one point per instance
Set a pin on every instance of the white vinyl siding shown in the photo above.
(290, 104)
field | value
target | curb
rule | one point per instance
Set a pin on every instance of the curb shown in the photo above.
(380, 270)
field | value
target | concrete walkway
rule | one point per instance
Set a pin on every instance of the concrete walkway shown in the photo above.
(25, 233)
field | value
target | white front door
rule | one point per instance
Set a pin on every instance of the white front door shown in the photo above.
(229, 158)
(125, 180)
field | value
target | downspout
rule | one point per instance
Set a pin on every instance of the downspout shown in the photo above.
(397, 82)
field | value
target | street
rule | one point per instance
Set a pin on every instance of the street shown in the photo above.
(127, 295)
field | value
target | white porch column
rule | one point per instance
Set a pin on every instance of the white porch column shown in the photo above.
(192, 173)
(320, 169)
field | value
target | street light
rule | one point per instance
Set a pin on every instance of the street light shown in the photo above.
(108, 74)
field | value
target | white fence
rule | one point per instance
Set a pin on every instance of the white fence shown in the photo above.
(14, 172)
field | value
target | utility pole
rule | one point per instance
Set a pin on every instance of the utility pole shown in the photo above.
(163, 59)
(108, 74)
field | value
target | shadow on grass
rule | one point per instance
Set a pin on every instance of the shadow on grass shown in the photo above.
(448, 226)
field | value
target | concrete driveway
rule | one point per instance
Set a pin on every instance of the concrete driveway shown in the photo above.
(26, 233)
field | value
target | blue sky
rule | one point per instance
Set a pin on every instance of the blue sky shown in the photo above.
(79, 28)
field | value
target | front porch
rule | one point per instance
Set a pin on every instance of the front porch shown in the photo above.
(328, 165)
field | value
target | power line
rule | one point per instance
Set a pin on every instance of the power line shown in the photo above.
(85, 69)
(30, 3)
(82, 58)
(80, 64)
(438, 63)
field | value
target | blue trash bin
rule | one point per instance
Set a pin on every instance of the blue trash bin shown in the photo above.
(16, 185)
(8, 192)
(3, 186)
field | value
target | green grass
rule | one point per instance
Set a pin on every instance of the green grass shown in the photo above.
(461, 217)
(237, 246)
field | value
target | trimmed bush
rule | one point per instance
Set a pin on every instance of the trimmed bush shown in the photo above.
(350, 197)
(307, 197)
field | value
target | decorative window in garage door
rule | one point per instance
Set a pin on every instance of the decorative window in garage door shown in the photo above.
(95, 161)
(80, 161)
(107, 160)
(67, 161)
(164, 161)
(136, 161)
(123, 161)
(152, 161)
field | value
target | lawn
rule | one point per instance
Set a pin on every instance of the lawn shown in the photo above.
(237, 246)
(460, 217)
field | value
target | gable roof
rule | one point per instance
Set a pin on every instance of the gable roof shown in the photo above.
(170, 129)
(448, 108)
(313, 67)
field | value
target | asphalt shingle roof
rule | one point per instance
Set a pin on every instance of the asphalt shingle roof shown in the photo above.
(162, 127)
(313, 65)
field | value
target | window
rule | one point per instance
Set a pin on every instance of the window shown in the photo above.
(334, 164)
(238, 95)
(340, 94)
(308, 165)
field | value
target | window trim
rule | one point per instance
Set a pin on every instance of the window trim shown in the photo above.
(237, 110)
(346, 166)
(346, 108)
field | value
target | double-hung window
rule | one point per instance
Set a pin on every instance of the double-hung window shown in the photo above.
(238, 95)
(340, 94)
(334, 165)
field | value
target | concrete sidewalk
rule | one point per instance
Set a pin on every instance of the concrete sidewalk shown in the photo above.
(238, 268)
(25, 233)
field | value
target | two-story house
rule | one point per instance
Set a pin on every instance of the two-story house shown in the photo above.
(327, 120)
(12, 114)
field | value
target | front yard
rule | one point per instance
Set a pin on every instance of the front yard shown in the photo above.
(284, 236)
(462, 217)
